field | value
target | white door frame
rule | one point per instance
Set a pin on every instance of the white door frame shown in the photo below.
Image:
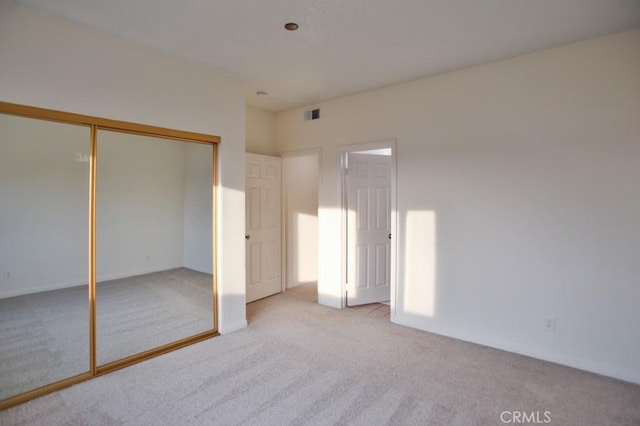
(291, 154)
(367, 146)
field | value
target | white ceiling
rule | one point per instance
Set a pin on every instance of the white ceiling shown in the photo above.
(345, 46)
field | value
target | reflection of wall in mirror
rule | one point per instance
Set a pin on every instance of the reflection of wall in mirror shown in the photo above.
(44, 205)
(165, 224)
(139, 204)
(198, 208)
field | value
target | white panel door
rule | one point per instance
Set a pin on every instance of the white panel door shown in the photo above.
(368, 183)
(263, 226)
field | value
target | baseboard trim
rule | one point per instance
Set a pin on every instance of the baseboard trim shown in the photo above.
(561, 359)
(40, 289)
(230, 328)
(129, 274)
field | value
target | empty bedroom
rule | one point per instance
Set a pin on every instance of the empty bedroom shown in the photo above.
(320, 212)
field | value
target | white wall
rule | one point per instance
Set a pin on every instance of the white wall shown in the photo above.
(261, 131)
(44, 205)
(300, 177)
(53, 63)
(517, 200)
(140, 199)
(198, 208)
(154, 205)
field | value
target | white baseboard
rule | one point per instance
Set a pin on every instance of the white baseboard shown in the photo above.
(13, 292)
(562, 359)
(137, 272)
(197, 269)
(17, 291)
(230, 328)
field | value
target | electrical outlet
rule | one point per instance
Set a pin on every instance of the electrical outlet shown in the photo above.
(550, 324)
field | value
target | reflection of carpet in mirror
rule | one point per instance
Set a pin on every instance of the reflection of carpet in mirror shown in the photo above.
(45, 336)
(139, 313)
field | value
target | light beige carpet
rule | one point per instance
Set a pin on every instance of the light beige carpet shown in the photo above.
(301, 363)
(44, 337)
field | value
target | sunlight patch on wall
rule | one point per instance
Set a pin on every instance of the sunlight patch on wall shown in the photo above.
(306, 226)
(330, 262)
(420, 263)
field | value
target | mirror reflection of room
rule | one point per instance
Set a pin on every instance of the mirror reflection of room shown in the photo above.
(153, 249)
(153, 242)
(44, 221)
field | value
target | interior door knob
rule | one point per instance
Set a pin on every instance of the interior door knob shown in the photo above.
(247, 237)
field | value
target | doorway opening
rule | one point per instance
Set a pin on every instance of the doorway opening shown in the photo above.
(368, 211)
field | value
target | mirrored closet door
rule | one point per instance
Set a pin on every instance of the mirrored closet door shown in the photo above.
(106, 246)
(153, 242)
(44, 224)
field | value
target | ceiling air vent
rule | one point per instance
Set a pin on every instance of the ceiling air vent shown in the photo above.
(312, 114)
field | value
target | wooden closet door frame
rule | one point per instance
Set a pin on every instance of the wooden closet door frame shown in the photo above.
(96, 123)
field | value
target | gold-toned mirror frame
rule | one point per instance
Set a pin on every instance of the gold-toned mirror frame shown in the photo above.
(96, 123)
